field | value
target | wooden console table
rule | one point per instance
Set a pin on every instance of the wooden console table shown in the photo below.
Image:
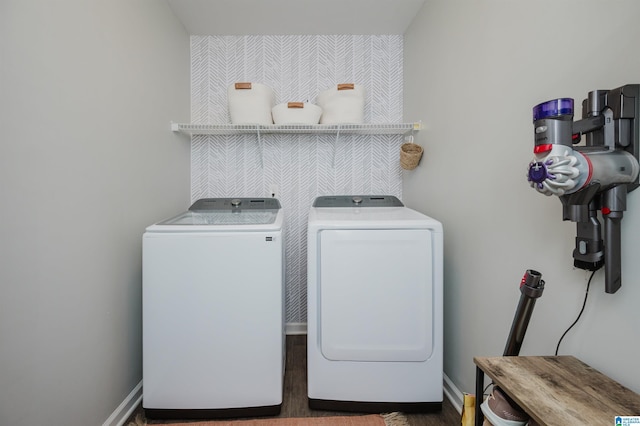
(556, 390)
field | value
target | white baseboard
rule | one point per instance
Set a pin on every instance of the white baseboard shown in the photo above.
(452, 393)
(293, 328)
(124, 410)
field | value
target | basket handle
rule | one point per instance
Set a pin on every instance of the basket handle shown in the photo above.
(295, 105)
(240, 86)
(346, 86)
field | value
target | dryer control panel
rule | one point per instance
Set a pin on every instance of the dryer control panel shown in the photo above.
(358, 201)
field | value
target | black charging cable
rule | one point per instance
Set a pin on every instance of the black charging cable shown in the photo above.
(586, 295)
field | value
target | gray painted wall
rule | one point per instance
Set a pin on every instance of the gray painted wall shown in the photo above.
(473, 72)
(87, 92)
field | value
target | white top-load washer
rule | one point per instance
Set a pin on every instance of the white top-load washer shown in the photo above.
(374, 314)
(213, 310)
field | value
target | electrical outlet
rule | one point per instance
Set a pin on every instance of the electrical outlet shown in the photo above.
(274, 191)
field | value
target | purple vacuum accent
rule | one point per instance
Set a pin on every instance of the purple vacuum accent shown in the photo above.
(538, 172)
(554, 108)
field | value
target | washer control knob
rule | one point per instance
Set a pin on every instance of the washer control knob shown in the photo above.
(236, 202)
(357, 200)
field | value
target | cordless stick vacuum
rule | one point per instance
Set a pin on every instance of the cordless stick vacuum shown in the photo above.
(531, 288)
(591, 179)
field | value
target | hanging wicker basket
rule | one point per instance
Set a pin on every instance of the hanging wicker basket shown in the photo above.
(410, 155)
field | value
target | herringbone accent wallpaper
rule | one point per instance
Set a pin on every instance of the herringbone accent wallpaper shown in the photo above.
(302, 167)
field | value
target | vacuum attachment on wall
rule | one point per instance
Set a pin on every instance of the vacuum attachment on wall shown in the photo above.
(593, 177)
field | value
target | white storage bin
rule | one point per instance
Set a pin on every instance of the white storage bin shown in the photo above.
(342, 104)
(296, 113)
(250, 103)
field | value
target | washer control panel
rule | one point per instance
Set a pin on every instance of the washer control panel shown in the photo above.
(358, 201)
(234, 204)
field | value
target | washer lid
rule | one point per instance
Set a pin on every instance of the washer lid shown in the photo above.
(358, 201)
(225, 214)
(221, 217)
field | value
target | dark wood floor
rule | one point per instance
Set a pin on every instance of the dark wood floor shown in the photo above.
(295, 393)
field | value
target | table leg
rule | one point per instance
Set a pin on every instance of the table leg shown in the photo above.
(479, 396)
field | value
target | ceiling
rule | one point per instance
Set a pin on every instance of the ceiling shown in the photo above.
(295, 17)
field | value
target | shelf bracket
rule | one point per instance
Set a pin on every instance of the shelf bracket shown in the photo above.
(259, 146)
(335, 146)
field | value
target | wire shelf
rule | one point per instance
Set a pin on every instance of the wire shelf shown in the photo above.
(354, 129)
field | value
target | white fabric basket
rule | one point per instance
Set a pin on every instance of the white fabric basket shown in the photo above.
(250, 103)
(296, 113)
(342, 104)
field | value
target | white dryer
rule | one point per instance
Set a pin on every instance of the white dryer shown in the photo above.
(213, 311)
(374, 314)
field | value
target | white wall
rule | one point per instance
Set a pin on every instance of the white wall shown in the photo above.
(473, 72)
(87, 92)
